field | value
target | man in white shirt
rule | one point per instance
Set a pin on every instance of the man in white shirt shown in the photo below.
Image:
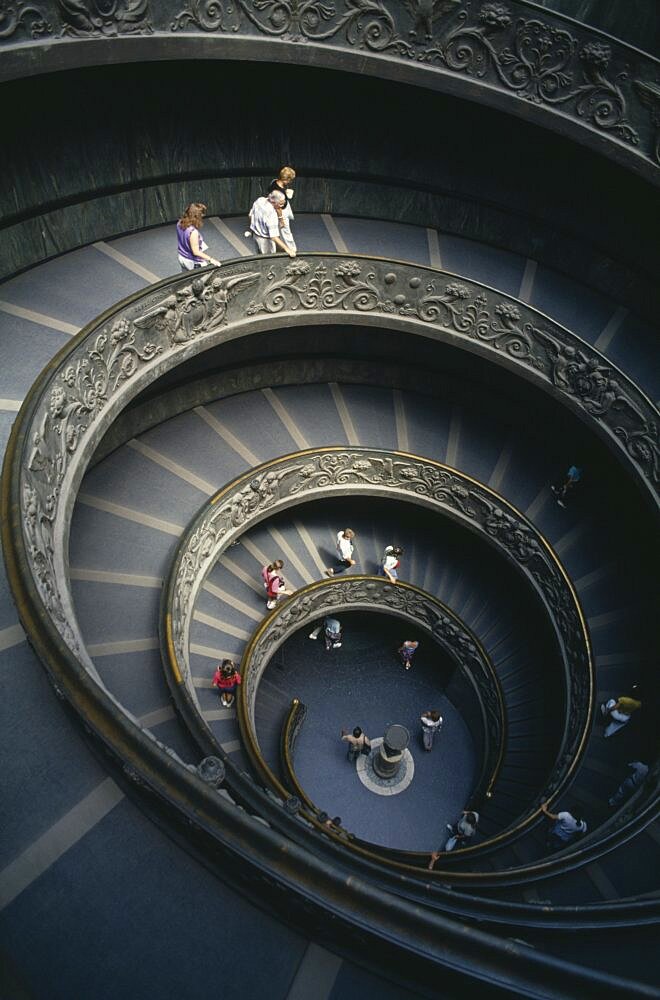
(345, 558)
(265, 221)
(565, 828)
(431, 724)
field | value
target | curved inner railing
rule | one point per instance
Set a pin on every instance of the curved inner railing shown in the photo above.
(335, 471)
(78, 396)
(111, 361)
(369, 593)
(529, 61)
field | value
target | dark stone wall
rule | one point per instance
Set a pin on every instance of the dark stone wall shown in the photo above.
(93, 153)
(635, 21)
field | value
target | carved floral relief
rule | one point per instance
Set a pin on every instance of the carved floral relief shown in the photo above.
(201, 307)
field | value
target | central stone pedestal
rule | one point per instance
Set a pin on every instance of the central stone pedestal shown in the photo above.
(385, 786)
(387, 761)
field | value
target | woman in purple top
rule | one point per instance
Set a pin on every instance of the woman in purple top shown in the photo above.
(190, 245)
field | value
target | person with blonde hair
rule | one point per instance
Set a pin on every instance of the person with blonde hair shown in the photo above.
(190, 245)
(283, 182)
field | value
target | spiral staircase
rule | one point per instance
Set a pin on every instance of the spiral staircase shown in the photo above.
(150, 837)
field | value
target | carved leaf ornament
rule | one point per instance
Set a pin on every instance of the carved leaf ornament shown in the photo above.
(336, 471)
(551, 62)
(185, 315)
(421, 608)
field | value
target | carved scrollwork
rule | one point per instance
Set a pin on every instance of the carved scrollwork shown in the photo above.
(296, 478)
(78, 393)
(572, 367)
(365, 23)
(402, 600)
(190, 311)
(547, 62)
(19, 15)
(81, 18)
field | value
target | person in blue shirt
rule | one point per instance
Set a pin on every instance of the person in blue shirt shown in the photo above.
(565, 489)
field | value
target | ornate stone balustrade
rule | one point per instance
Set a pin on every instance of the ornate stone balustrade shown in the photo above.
(402, 601)
(335, 471)
(533, 63)
(77, 398)
(112, 360)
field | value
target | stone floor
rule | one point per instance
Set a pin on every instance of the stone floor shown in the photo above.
(364, 684)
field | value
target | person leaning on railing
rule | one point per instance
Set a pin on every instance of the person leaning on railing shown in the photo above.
(565, 828)
(190, 245)
(619, 712)
(460, 832)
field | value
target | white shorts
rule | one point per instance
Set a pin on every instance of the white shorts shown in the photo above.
(191, 265)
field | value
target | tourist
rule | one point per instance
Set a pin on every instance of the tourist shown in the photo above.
(265, 222)
(226, 680)
(565, 828)
(190, 245)
(333, 634)
(460, 832)
(431, 724)
(637, 777)
(358, 742)
(274, 583)
(391, 561)
(406, 651)
(283, 182)
(345, 548)
(618, 711)
(565, 489)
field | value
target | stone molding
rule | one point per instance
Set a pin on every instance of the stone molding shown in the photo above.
(536, 64)
(76, 399)
(115, 357)
(337, 471)
(403, 601)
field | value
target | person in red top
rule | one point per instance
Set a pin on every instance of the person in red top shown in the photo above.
(274, 583)
(226, 680)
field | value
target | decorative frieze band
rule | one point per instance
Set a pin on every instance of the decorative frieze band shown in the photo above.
(417, 607)
(105, 367)
(547, 63)
(323, 472)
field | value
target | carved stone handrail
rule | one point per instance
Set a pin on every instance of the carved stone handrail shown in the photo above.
(359, 592)
(114, 358)
(513, 55)
(288, 736)
(78, 396)
(334, 471)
